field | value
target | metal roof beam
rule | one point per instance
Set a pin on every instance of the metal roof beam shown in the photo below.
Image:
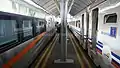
(75, 7)
(82, 2)
(51, 7)
(78, 5)
(90, 1)
(54, 10)
(46, 2)
(57, 5)
(71, 6)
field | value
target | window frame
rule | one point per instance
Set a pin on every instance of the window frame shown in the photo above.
(29, 23)
(111, 14)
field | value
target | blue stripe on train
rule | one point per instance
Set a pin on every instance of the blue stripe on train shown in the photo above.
(100, 42)
(99, 45)
(118, 57)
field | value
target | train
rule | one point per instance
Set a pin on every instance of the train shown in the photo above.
(23, 33)
(22, 39)
(16, 29)
(98, 30)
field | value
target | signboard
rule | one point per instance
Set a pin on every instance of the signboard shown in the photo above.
(113, 31)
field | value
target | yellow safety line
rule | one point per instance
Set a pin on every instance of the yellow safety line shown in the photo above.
(79, 59)
(82, 54)
(46, 59)
(44, 54)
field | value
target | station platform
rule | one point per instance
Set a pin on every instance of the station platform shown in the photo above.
(53, 52)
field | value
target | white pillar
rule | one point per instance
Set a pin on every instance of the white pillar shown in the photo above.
(63, 14)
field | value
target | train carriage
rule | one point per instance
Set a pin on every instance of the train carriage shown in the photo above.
(101, 28)
(16, 29)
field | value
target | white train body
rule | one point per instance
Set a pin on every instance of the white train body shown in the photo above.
(105, 34)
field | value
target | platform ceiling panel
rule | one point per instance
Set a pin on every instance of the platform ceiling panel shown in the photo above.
(52, 5)
(79, 5)
(48, 5)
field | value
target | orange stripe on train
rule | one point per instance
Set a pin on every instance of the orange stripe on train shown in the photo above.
(23, 52)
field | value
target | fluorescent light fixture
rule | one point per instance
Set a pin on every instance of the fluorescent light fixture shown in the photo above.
(32, 3)
(110, 7)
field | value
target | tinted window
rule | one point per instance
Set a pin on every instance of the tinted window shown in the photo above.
(27, 23)
(2, 27)
(76, 24)
(6, 26)
(7, 31)
(39, 23)
(110, 18)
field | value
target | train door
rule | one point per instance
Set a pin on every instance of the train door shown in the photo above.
(27, 29)
(34, 27)
(45, 26)
(20, 29)
(94, 27)
(87, 30)
(82, 29)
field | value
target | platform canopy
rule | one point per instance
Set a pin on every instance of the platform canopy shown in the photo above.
(53, 6)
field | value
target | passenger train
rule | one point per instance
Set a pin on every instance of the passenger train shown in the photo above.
(16, 29)
(22, 27)
(98, 29)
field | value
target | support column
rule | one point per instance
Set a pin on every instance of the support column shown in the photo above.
(63, 14)
(63, 8)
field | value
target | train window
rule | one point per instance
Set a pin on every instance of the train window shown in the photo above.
(30, 23)
(16, 26)
(2, 27)
(7, 31)
(7, 23)
(27, 23)
(40, 23)
(83, 23)
(76, 24)
(110, 18)
(79, 25)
